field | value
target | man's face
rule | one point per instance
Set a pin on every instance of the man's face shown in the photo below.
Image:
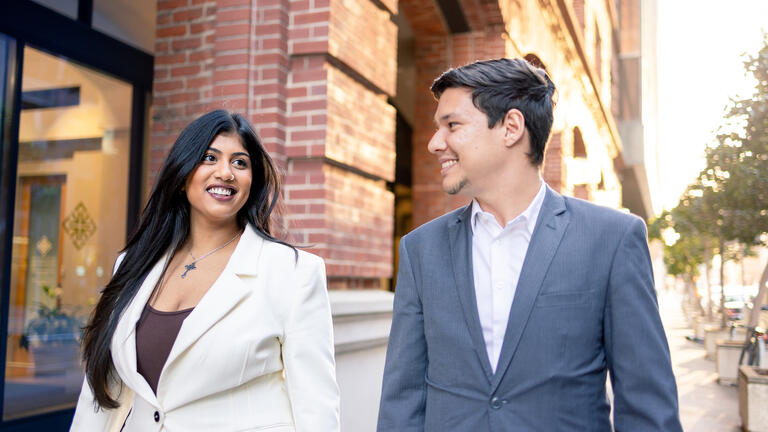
(470, 154)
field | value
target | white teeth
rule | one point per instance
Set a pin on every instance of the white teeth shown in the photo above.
(449, 163)
(220, 191)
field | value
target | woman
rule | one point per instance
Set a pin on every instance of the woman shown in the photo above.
(209, 322)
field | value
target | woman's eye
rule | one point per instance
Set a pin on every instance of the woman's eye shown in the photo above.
(209, 158)
(240, 163)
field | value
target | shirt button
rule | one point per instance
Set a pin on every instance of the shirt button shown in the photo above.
(496, 403)
(157, 416)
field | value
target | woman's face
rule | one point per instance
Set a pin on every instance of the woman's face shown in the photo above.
(219, 186)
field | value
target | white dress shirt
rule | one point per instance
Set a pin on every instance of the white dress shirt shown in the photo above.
(497, 259)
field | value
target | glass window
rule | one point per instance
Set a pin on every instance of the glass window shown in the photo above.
(69, 223)
(130, 21)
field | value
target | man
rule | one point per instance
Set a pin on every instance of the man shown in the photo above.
(509, 312)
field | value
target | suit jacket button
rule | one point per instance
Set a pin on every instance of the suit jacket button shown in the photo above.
(496, 403)
(157, 416)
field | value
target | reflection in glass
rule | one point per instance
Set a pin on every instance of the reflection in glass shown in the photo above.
(64, 7)
(130, 21)
(69, 223)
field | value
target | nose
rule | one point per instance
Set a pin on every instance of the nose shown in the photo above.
(437, 142)
(224, 171)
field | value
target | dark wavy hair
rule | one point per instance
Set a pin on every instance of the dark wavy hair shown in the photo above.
(500, 85)
(164, 226)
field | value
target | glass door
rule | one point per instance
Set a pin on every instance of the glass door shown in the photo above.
(72, 174)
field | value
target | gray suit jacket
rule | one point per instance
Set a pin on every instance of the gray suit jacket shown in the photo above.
(585, 305)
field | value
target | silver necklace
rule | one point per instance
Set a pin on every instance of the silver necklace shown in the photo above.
(192, 266)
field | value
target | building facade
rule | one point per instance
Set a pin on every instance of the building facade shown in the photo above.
(94, 93)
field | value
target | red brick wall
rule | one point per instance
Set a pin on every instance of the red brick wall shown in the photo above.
(183, 78)
(554, 164)
(314, 77)
(582, 191)
(341, 130)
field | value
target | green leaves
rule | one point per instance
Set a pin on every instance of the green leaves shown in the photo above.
(728, 202)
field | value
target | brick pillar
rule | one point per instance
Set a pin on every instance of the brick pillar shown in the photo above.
(582, 191)
(554, 165)
(341, 136)
(314, 77)
(183, 76)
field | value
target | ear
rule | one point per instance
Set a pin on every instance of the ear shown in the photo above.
(514, 127)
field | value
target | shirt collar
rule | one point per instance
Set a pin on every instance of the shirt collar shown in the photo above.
(530, 214)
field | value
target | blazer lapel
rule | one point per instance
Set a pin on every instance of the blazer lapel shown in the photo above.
(222, 296)
(460, 236)
(550, 227)
(124, 341)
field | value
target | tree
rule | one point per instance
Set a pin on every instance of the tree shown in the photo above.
(735, 179)
(691, 222)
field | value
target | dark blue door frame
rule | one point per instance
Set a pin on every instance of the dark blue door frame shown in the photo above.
(28, 23)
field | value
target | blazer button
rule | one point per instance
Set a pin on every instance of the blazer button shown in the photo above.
(496, 403)
(157, 416)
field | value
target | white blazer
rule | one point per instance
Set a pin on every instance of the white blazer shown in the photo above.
(256, 354)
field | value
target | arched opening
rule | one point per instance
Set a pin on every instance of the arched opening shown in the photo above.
(535, 60)
(579, 149)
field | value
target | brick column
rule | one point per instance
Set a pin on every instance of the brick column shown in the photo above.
(554, 164)
(341, 135)
(314, 77)
(183, 76)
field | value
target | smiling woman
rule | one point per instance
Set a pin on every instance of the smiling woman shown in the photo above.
(255, 317)
(220, 185)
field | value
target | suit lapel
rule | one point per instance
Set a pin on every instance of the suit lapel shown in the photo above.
(223, 295)
(460, 235)
(228, 290)
(550, 227)
(124, 342)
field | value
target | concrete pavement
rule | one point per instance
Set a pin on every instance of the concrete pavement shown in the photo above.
(705, 405)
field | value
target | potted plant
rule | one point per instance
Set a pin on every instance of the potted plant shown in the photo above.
(53, 337)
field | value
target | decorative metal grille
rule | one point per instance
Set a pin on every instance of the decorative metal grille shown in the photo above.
(79, 225)
(44, 245)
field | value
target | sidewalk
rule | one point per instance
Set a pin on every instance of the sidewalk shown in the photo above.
(705, 405)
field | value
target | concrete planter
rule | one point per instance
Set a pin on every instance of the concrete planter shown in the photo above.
(692, 316)
(702, 324)
(361, 324)
(711, 335)
(714, 333)
(727, 360)
(753, 399)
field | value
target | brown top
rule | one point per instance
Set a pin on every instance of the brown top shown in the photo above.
(156, 332)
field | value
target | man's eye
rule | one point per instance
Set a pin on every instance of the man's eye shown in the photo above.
(451, 125)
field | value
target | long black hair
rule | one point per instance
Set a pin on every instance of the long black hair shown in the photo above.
(164, 226)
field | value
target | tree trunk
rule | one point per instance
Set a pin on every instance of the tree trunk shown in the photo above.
(707, 263)
(759, 300)
(723, 315)
(693, 296)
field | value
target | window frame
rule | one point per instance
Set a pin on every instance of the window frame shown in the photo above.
(75, 41)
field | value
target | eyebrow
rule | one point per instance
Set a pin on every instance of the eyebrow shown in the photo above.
(443, 118)
(217, 151)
